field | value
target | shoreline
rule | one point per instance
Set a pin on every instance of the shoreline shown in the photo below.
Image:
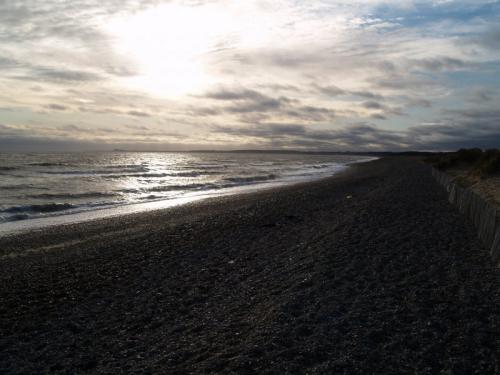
(78, 192)
(170, 212)
(370, 271)
(21, 226)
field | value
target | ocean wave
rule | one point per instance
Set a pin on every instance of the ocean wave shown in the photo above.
(48, 164)
(128, 191)
(91, 194)
(161, 175)
(321, 166)
(151, 197)
(14, 217)
(6, 169)
(39, 208)
(206, 167)
(150, 175)
(182, 187)
(187, 174)
(126, 166)
(22, 187)
(250, 179)
(116, 172)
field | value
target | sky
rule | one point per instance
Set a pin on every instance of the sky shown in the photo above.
(329, 75)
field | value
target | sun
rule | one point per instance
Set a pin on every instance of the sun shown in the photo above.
(168, 44)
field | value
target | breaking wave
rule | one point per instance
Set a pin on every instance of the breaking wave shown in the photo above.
(250, 179)
(39, 208)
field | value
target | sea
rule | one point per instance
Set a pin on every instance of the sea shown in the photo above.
(55, 188)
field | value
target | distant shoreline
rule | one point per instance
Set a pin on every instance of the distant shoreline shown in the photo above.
(299, 152)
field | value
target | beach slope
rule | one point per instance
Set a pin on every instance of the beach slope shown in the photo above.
(371, 271)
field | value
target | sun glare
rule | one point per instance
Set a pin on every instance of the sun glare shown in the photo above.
(169, 43)
(166, 44)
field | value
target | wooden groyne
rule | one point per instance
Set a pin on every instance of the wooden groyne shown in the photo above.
(484, 215)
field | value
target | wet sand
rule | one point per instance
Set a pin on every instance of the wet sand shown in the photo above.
(369, 272)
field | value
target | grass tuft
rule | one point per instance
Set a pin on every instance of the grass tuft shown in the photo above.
(478, 162)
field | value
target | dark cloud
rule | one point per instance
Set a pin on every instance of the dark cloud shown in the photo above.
(385, 109)
(263, 104)
(244, 102)
(360, 137)
(137, 127)
(373, 105)
(330, 90)
(120, 71)
(387, 67)
(74, 128)
(285, 59)
(489, 39)
(491, 116)
(367, 95)
(439, 64)
(138, 113)
(263, 131)
(469, 128)
(226, 94)
(483, 95)
(49, 144)
(419, 102)
(404, 82)
(57, 107)
(58, 75)
(462, 128)
(8, 63)
(16, 143)
(203, 111)
(334, 91)
(311, 113)
(28, 71)
(52, 74)
(279, 87)
(99, 110)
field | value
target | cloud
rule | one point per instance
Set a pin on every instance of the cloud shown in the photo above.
(138, 113)
(7, 63)
(373, 105)
(311, 113)
(266, 131)
(440, 64)
(468, 128)
(385, 110)
(419, 102)
(244, 102)
(258, 105)
(461, 128)
(489, 38)
(226, 94)
(334, 91)
(58, 75)
(276, 73)
(57, 107)
(68, 19)
(360, 136)
(483, 95)
(330, 90)
(367, 94)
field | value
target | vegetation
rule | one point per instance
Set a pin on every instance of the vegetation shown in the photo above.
(478, 162)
